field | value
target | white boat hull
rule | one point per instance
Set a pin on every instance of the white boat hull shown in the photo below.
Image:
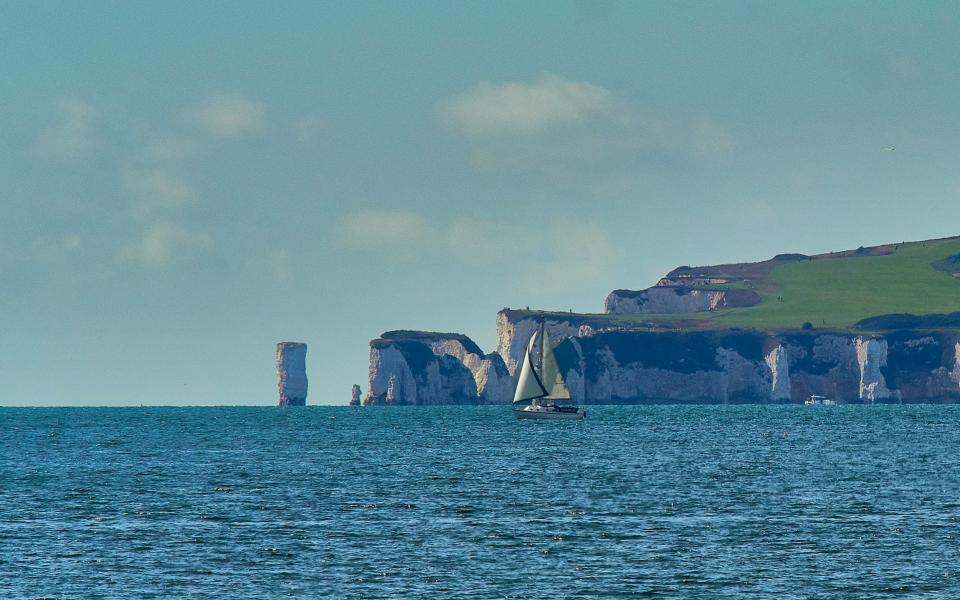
(540, 413)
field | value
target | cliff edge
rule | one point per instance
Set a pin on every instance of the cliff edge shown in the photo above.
(416, 367)
(876, 324)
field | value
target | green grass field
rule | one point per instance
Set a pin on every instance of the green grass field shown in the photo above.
(830, 292)
(838, 292)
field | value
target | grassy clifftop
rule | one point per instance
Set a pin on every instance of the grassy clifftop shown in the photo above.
(425, 337)
(838, 290)
(830, 291)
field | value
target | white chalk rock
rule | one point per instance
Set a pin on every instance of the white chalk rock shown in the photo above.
(292, 373)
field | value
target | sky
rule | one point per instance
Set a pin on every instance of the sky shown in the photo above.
(184, 184)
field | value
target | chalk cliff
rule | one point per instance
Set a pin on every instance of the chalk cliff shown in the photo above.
(607, 364)
(408, 367)
(676, 299)
(292, 373)
(778, 330)
(604, 364)
(515, 327)
(779, 365)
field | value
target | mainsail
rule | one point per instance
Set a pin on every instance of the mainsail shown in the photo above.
(548, 382)
(550, 375)
(529, 386)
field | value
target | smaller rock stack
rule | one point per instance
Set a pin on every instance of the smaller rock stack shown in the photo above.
(292, 373)
(355, 395)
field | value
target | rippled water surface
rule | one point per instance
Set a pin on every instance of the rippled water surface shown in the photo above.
(456, 502)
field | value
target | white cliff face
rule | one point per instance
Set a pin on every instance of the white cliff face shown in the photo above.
(744, 379)
(708, 367)
(513, 337)
(846, 368)
(389, 372)
(871, 355)
(456, 349)
(692, 281)
(836, 349)
(446, 382)
(458, 383)
(292, 373)
(733, 379)
(433, 369)
(576, 382)
(392, 389)
(955, 373)
(632, 381)
(779, 366)
(664, 300)
(492, 386)
(828, 367)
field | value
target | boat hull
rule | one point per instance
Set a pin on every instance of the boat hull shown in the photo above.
(536, 414)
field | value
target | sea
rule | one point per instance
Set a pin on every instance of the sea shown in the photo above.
(468, 502)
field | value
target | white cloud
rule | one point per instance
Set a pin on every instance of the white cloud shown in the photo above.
(565, 128)
(161, 241)
(560, 253)
(572, 254)
(383, 228)
(228, 116)
(72, 132)
(490, 108)
(158, 190)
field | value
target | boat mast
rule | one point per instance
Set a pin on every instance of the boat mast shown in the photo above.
(540, 358)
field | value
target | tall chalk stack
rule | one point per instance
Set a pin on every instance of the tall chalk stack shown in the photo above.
(292, 373)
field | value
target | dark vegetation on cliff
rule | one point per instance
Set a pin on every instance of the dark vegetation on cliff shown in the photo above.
(906, 354)
(905, 285)
(806, 358)
(418, 355)
(425, 337)
(679, 352)
(910, 321)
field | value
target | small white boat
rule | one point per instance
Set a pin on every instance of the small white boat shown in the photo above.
(550, 412)
(541, 392)
(814, 400)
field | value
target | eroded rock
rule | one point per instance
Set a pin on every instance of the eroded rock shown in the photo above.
(292, 373)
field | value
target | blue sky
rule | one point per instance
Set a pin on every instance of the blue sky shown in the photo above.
(185, 184)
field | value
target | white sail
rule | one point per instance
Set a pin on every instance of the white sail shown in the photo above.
(550, 376)
(528, 386)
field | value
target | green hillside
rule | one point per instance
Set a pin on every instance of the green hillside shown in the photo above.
(830, 291)
(837, 291)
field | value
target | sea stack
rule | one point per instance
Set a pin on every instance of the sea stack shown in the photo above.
(292, 373)
(355, 395)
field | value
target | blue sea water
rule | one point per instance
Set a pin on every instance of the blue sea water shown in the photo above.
(467, 502)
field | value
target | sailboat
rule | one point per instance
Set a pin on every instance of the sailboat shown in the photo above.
(541, 392)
